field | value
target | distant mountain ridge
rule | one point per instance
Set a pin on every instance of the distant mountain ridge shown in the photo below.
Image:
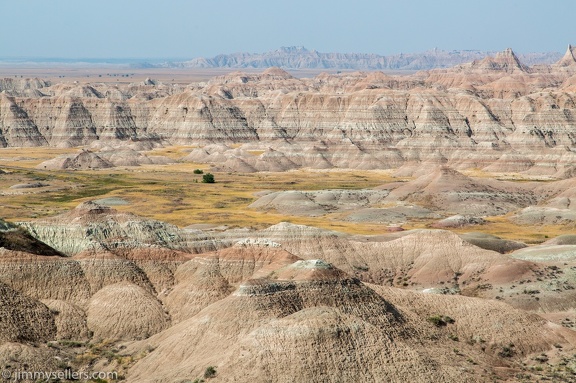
(302, 58)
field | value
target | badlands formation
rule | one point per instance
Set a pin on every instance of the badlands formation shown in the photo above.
(495, 114)
(453, 189)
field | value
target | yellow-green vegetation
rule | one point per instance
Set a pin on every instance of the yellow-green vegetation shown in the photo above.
(173, 152)
(175, 193)
(256, 152)
(171, 193)
(530, 234)
(516, 177)
(29, 157)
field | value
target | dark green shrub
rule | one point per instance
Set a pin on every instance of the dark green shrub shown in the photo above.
(506, 352)
(440, 320)
(210, 372)
(208, 178)
(198, 171)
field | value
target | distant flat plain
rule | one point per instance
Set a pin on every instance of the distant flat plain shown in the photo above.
(124, 74)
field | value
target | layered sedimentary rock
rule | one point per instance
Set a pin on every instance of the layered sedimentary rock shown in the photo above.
(292, 310)
(43, 277)
(91, 226)
(495, 112)
(105, 158)
(213, 276)
(440, 191)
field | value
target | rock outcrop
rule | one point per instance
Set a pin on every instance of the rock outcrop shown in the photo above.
(17, 238)
(83, 160)
(313, 203)
(43, 277)
(99, 287)
(569, 58)
(305, 299)
(506, 61)
(91, 226)
(492, 242)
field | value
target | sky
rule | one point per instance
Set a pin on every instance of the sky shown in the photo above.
(170, 29)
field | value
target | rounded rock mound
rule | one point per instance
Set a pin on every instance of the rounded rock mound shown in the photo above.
(69, 318)
(459, 220)
(125, 311)
(23, 318)
(492, 242)
(84, 160)
(566, 239)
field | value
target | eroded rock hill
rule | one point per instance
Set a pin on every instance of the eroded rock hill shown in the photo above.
(495, 112)
(94, 227)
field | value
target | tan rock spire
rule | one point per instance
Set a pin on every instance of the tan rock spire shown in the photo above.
(569, 58)
(503, 61)
(508, 60)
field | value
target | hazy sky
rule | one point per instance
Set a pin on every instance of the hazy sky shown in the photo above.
(187, 29)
